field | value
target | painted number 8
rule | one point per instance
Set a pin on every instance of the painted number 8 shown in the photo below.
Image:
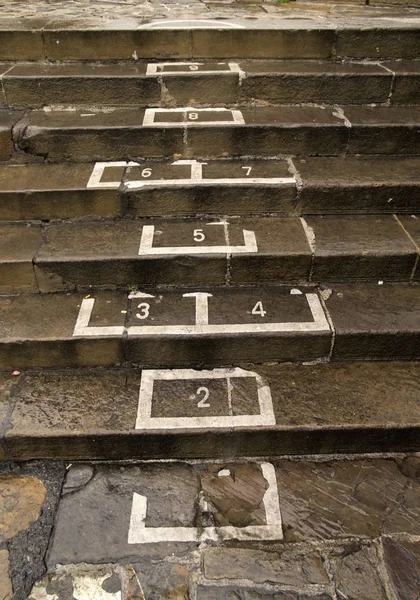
(192, 116)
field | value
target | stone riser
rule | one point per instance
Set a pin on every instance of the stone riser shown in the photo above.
(317, 186)
(210, 326)
(216, 83)
(161, 44)
(151, 252)
(91, 414)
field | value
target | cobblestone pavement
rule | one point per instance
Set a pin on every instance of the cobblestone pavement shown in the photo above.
(330, 529)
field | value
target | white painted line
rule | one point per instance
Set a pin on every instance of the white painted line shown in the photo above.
(150, 113)
(98, 171)
(153, 69)
(146, 245)
(148, 377)
(191, 24)
(82, 328)
(196, 177)
(138, 533)
(202, 328)
(201, 306)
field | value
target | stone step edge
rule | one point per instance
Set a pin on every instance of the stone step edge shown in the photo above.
(273, 250)
(305, 185)
(298, 404)
(211, 327)
(346, 41)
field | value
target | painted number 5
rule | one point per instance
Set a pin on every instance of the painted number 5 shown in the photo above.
(203, 402)
(259, 309)
(199, 235)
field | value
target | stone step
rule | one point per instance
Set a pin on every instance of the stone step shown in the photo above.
(218, 132)
(153, 252)
(285, 39)
(307, 185)
(190, 327)
(169, 84)
(259, 410)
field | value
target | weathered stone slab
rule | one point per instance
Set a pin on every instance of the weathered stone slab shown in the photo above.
(314, 81)
(21, 500)
(361, 247)
(406, 81)
(5, 583)
(358, 185)
(18, 246)
(402, 562)
(182, 504)
(342, 499)
(383, 130)
(8, 119)
(45, 191)
(357, 575)
(375, 322)
(377, 43)
(154, 252)
(87, 414)
(411, 225)
(38, 331)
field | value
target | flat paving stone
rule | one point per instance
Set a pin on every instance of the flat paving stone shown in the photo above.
(361, 247)
(44, 191)
(358, 185)
(334, 500)
(324, 408)
(155, 252)
(402, 563)
(375, 322)
(18, 246)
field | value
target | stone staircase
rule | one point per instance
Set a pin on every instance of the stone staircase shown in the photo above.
(209, 242)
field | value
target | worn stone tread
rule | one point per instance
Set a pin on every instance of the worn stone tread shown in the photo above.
(212, 133)
(330, 185)
(77, 39)
(152, 252)
(325, 408)
(293, 81)
(246, 324)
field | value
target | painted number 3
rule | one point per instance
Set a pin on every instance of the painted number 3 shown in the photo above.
(144, 309)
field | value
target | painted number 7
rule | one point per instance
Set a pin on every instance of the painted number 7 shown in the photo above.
(248, 170)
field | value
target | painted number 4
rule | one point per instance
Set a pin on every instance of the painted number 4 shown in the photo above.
(259, 309)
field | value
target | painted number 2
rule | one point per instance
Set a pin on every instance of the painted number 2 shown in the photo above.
(203, 402)
(259, 309)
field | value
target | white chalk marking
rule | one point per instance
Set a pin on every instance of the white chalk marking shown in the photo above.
(138, 533)
(146, 244)
(150, 114)
(148, 377)
(158, 68)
